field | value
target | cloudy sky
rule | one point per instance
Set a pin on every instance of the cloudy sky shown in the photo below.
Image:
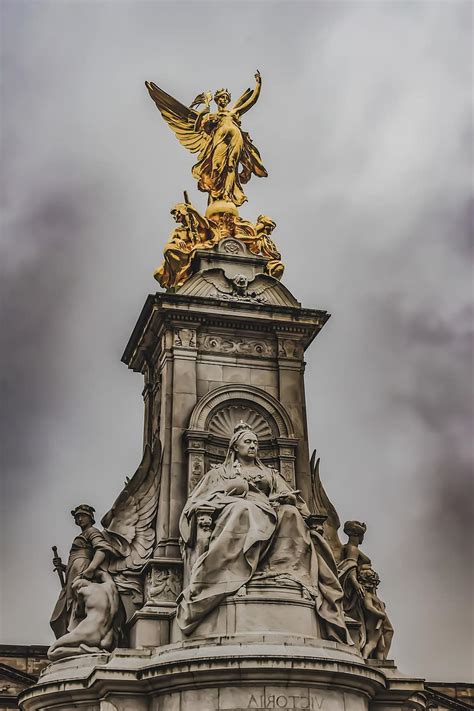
(364, 127)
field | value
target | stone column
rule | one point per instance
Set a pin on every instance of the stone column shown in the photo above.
(165, 367)
(184, 400)
(292, 397)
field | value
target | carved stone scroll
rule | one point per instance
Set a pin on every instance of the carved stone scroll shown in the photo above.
(243, 346)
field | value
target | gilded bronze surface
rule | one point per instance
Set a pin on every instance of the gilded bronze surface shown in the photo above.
(193, 232)
(227, 158)
(197, 232)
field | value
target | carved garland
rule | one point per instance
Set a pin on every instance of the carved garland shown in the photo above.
(243, 346)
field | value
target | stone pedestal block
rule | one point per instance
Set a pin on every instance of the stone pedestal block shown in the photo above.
(253, 671)
(262, 606)
(225, 674)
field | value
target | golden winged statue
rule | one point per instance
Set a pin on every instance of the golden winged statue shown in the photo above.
(227, 157)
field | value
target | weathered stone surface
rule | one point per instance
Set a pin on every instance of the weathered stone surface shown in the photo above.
(211, 674)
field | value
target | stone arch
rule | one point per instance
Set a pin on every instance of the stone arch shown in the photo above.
(213, 419)
(260, 400)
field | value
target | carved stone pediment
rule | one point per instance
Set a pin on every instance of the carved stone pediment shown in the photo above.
(239, 285)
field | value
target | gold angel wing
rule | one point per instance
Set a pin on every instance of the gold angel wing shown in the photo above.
(180, 118)
(129, 525)
(321, 504)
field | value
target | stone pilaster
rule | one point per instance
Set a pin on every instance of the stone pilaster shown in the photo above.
(163, 581)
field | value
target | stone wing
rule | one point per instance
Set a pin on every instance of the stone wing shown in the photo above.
(322, 505)
(129, 525)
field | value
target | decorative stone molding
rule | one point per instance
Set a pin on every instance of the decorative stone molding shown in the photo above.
(290, 348)
(275, 414)
(243, 346)
(232, 246)
(197, 469)
(161, 585)
(185, 337)
(223, 422)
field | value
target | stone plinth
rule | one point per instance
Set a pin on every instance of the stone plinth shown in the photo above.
(262, 606)
(220, 675)
(251, 671)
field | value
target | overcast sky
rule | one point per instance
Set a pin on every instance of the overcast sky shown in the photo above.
(364, 127)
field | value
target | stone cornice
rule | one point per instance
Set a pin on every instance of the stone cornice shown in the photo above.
(161, 309)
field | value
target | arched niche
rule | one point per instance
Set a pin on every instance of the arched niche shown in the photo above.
(213, 420)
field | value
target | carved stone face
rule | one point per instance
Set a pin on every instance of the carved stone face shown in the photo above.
(179, 214)
(83, 520)
(368, 577)
(240, 283)
(204, 521)
(247, 445)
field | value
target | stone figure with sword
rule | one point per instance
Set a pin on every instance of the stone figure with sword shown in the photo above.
(88, 552)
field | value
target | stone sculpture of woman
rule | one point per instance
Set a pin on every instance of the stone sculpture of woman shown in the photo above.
(351, 560)
(99, 589)
(258, 521)
(88, 553)
(359, 582)
(227, 157)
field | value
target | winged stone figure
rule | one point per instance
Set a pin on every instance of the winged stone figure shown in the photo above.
(359, 586)
(227, 158)
(101, 585)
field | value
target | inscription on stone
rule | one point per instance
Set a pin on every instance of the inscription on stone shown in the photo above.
(285, 700)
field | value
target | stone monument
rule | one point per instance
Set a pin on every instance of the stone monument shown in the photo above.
(218, 581)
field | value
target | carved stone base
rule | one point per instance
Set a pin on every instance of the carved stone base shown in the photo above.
(263, 605)
(225, 674)
(150, 626)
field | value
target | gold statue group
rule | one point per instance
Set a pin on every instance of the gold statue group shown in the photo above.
(227, 159)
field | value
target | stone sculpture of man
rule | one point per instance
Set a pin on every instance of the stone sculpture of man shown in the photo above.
(98, 601)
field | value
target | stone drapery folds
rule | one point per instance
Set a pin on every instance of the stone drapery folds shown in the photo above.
(254, 527)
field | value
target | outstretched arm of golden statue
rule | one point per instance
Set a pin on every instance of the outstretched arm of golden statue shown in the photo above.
(249, 97)
(181, 119)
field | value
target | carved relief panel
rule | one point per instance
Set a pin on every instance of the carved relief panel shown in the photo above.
(161, 585)
(210, 343)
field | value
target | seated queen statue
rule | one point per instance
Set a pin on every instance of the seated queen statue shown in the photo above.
(258, 528)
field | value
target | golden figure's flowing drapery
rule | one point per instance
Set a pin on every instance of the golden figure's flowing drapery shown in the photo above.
(227, 157)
